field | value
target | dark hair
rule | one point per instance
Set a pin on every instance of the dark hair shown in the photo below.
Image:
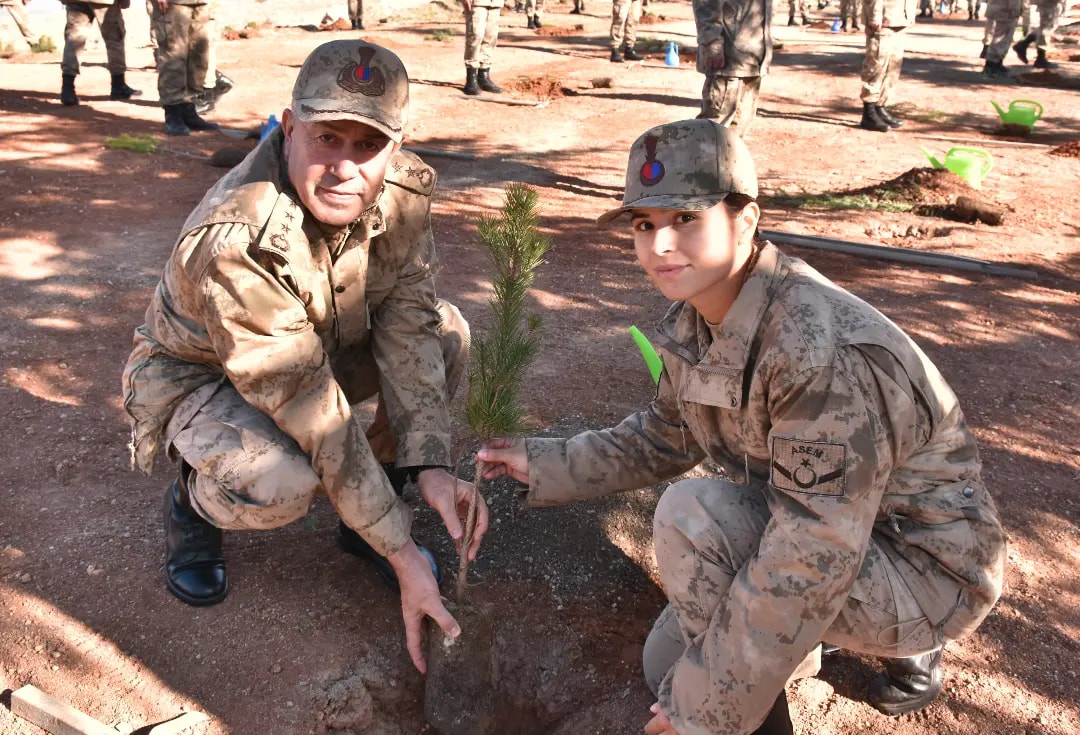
(735, 203)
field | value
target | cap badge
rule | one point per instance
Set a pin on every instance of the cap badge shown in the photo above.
(360, 77)
(652, 170)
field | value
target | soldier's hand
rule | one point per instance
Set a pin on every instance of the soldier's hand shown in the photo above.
(659, 724)
(449, 496)
(505, 457)
(419, 599)
(163, 5)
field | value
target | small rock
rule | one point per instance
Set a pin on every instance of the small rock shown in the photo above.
(275, 669)
(25, 578)
(94, 571)
(54, 667)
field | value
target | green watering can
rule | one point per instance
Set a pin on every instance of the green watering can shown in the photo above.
(970, 164)
(652, 359)
(1020, 112)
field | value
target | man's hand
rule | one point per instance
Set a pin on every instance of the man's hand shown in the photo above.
(659, 724)
(419, 598)
(449, 496)
(505, 457)
(163, 5)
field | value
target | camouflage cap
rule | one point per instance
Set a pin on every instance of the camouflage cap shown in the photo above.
(691, 164)
(353, 80)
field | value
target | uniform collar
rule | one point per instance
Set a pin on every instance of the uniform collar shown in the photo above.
(724, 347)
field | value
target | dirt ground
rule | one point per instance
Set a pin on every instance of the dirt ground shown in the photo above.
(308, 640)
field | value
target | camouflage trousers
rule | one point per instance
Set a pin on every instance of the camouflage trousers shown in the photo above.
(22, 21)
(850, 10)
(533, 8)
(183, 51)
(796, 7)
(356, 10)
(1025, 23)
(1049, 17)
(731, 101)
(625, 15)
(250, 475)
(481, 35)
(881, 65)
(1003, 14)
(80, 16)
(705, 530)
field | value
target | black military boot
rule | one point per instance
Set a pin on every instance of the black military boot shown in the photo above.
(791, 20)
(174, 121)
(891, 121)
(616, 56)
(908, 684)
(854, 24)
(120, 90)
(1021, 46)
(483, 78)
(871, 120)
(536, 22)
(531, 23)
(353, 543)
(778, 721)
(471, 87)
(355, 23)
(1041, 62)
(579, 8)
(192, 119)
(194, 564)
(67, 91)
(982, 54)
(630, 54)
(995, 70)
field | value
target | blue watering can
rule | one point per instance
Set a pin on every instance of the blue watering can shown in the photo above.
(672, 57)
(837, 25)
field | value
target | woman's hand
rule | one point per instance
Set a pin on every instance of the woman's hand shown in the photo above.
(505, 457)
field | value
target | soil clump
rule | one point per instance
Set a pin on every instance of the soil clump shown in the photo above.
(1067, 150)
(545, 87)
(558, 31)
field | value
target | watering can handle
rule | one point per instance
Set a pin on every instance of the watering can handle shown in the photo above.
(1032, 103)
(985, 155)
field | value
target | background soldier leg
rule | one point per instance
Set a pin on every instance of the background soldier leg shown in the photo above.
(1049, 16)
(182, 60)
(356, 14)
(22, 22)
(115, 37)
(79, 19)
(731, 101)
(880, 71)
(1001, 16)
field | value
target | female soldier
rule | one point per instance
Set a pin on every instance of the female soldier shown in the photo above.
(852, 512)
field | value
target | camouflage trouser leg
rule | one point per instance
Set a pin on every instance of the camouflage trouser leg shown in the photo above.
(849, 11)
(22, 22)
(796, 7)
(356, 10)
(250, 474)
(182, 52)
(1049, 16)
(625, 15)
(881, 65)
(210, 78)
(705, 530)
(80, 16)
(533, 8)
(1025, 17)
(481, 36)
(1003, 14)
(988, 32)
(731, 101)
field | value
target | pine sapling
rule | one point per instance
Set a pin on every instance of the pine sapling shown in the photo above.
(501, 358)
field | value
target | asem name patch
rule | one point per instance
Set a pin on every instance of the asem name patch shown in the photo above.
(816, 468)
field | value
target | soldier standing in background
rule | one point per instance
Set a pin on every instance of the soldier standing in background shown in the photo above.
(481, 38)
(850, 9)
(356, 14)
(80, 16)
(734, 52)
(182, 59)
(886, 21)
(532, 10)
(797, 7)
(1050, 12)
(625, 15)
(22, 20)
(1001, 17)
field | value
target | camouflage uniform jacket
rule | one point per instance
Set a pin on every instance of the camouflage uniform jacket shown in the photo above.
(890, 13)
(734, 37)
(848, 429)
(258, 293)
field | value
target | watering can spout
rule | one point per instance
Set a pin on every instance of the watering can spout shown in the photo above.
(933, 161)
(999, 109)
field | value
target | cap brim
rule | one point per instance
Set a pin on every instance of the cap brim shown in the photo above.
(663, 201)
(319, 110)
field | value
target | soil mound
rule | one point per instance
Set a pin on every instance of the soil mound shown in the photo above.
(1052, 79)
(558, 31)
(648, 19)
(1068, 150)
(917, 186)
(544, 88)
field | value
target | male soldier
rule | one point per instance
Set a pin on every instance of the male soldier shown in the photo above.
(300, 286)
(1050, 12)
(22, 20)
(886, 21)
(81, 16)
(533, 8)
(851, 509)
(1001, 17)
(356, 14)
(849, 9)
(182, 58)
(625, 15)
(481, 37)
(734, 52)
(797, 7)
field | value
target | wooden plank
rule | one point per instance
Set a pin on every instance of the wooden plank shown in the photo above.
(54, 716)
(983, 141)
(178, 724)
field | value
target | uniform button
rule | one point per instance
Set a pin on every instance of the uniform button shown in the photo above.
(734, 401)
(968, 492)
(339, 289)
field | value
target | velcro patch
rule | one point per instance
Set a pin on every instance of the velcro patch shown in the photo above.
(816, 468)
